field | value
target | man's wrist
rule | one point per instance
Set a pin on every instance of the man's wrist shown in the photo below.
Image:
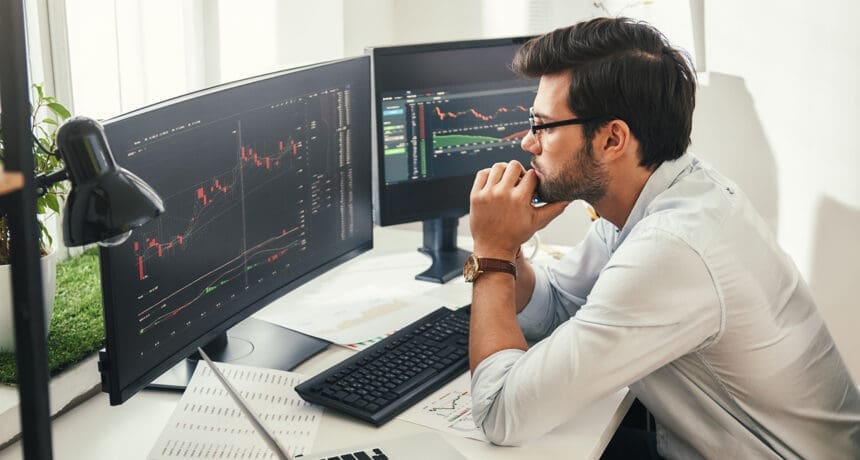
(496, 253)
(477, 264)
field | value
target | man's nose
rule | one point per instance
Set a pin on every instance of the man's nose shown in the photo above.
(530, 144)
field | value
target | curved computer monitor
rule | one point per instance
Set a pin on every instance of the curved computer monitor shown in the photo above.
(443, 111)
(266, 184)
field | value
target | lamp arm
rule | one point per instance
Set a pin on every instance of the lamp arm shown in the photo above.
(44, 181)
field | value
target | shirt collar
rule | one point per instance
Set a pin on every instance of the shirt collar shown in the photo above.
(663, 177)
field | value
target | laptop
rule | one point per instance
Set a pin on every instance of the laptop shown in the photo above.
(427, 445)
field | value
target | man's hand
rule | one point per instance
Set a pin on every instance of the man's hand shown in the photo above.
(502, 216)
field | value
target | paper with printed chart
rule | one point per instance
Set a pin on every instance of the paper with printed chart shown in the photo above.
(356, 318)
(207, 423)
(448, 410)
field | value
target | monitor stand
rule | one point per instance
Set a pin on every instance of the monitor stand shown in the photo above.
(440, 243)
(252, 342)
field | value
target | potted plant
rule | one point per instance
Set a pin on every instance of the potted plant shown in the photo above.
(47, 114)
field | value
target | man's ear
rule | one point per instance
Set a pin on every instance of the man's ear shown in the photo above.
(614, 140)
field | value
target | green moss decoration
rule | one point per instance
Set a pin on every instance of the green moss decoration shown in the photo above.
(77, 327)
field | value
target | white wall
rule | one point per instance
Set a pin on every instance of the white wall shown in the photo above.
(390, 22)
(446, 20)
(367, 23)
(779, 114)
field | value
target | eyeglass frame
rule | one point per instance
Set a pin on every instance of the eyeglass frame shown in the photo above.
(534, 128)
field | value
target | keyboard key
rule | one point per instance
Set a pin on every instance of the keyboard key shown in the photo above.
(447, 351)
(414, 381)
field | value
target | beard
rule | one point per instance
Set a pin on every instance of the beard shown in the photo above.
(580, 178)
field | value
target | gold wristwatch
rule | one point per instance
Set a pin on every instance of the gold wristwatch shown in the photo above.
(476, 265)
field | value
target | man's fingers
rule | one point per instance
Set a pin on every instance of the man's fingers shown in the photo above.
(480, 180)
(545, 214)
(496, 173)
(528, 181)
(513, 173)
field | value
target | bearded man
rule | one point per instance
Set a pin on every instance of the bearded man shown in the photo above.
(679, 290)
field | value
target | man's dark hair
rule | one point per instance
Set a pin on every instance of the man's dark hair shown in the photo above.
(621, 69)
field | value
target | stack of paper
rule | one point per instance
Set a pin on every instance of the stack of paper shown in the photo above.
(208, 424)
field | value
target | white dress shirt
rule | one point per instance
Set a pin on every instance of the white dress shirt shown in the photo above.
(693, 305)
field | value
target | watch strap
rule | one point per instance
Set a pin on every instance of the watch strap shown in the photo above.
(475, 266)
(487, 264)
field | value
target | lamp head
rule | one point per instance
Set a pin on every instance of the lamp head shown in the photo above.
(106, 202)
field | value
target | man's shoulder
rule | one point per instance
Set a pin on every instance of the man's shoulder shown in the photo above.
(695, 209)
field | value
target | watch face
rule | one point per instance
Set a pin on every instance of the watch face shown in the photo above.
(470, 269)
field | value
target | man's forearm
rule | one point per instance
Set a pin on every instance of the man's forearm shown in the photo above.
(493, 324)
(525, 282)
(502, 217)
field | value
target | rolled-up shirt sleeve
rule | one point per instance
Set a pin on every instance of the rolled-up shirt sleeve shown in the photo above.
(560, 290)
(639, 316)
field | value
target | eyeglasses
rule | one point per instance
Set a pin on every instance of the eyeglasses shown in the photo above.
(536, 128)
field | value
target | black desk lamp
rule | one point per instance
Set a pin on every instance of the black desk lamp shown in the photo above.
(106, 202)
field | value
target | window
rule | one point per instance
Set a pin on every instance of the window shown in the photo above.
(126, 54)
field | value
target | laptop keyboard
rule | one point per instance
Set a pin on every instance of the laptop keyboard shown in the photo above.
(374, 454)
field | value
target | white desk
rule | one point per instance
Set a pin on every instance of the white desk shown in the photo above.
(95, 430)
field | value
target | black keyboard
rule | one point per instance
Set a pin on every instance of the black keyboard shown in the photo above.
(384, 380)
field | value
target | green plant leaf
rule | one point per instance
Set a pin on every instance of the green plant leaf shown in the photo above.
(45, 240)
(58, 108)
(52, 202)
(45, 141)
(44, 129)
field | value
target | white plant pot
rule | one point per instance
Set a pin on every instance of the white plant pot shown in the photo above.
(7, 318)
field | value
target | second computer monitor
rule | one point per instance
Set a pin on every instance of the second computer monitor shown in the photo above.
(443, 111)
